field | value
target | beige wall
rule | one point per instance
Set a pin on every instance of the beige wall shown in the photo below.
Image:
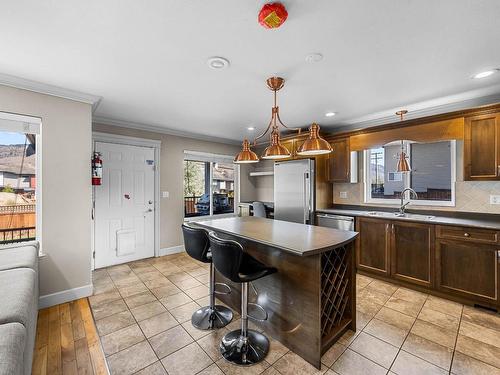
(66, 190)
(172, 175)
(248, 192)
(471, 196)
(264, 188)
(260, 188)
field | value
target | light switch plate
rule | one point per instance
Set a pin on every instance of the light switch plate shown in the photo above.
(165, 194)
(343, 194)
(494, 199)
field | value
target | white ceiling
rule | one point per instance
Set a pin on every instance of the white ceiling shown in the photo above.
(147, 59)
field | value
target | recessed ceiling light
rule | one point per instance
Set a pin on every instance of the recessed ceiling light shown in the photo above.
(330, 114)
(485, 74)
(251, 128)
(314, 57)
(218, 63)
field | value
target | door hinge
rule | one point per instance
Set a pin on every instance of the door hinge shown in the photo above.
(93, 254)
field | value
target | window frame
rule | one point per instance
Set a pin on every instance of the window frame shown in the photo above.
(211, 159)
(407, 181)
(31, 125)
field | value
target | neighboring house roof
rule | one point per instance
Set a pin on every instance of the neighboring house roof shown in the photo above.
(27, 170)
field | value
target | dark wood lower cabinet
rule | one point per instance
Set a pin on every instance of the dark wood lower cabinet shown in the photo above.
(455, 262)
(468, 269)
(412, 249)
(372, 252)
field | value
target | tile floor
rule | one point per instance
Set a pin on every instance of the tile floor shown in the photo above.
(143, 309)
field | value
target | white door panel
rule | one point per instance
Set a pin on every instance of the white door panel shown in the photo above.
(124, 204)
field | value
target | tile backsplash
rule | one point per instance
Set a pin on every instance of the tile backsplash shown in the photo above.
(471, 196)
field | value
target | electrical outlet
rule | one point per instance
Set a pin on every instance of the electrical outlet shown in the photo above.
(165, 194)
(494, 199)
(343, 194)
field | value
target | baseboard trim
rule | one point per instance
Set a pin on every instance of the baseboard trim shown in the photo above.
(171, 250)
(64, 296)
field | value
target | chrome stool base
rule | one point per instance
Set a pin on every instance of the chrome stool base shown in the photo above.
(244, 351)
(209, 318)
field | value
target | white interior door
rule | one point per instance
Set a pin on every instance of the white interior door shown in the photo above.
(124, 204)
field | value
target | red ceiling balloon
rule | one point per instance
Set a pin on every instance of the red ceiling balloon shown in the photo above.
(272, 15)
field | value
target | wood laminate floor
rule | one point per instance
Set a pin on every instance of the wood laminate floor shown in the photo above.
(67, 341)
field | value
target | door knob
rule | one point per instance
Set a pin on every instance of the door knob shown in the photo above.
(149, 210)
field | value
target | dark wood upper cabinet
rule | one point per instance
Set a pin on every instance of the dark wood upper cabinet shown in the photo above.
(372, 252)
(482, 147)
(339, 163)
(468, 269)
(412, 249)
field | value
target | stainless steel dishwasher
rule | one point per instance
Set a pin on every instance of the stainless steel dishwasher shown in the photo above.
(335, 221)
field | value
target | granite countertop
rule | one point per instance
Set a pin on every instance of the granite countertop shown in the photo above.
(295, 238)
(476, 220)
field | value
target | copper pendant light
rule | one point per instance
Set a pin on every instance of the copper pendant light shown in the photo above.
(314, 145)
(275, 150)
(246, 156)
(403, 165)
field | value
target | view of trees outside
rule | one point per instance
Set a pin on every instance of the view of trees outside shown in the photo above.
(197, 200)
(194, 178)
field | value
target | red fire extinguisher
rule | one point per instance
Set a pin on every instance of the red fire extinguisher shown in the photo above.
(96, 169)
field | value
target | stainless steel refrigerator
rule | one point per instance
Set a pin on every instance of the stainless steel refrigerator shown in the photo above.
(294, 191)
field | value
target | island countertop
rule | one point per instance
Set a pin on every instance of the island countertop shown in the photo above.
(295, 238)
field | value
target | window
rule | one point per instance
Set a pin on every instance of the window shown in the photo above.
(209, 185)
(19, 188)
(432, 173)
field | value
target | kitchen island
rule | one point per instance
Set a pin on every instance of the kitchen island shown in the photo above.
(311, 300)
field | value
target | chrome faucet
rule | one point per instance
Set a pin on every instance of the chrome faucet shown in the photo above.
(403, 205)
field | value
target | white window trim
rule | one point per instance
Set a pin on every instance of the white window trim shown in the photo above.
(32, 125)
(406, 179)
(211, 158)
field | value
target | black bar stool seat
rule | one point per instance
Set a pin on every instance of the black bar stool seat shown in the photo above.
(242, 346)
(197, 246)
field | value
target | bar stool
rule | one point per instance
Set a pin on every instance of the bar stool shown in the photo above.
(242, 346)
(197, 246)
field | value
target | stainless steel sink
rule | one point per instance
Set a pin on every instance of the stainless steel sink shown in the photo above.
(414, 216)
(400, 216)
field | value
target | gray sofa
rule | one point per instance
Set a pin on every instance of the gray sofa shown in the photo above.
(18, 307)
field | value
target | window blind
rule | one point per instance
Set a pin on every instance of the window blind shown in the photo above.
(207, 157)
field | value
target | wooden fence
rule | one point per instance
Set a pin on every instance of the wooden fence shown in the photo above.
(17, 223)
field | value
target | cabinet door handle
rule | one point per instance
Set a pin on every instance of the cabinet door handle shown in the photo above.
(498, 255)
(466, 234)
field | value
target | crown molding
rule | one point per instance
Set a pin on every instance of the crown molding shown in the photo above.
(451, 103)
(162, 130)
(44, 88)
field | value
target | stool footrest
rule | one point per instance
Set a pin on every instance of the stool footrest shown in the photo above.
(224, 285)
(266, 315)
